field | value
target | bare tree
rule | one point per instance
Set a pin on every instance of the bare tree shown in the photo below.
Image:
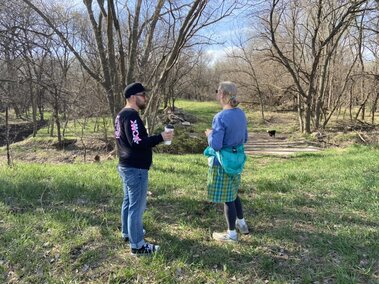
(245, 66)
(118, 47)
(315, 31)
(8, 91)
(372, 28)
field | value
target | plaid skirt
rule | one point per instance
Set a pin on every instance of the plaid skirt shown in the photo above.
(221, 187)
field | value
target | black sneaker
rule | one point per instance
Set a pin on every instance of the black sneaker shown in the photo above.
(146, 249)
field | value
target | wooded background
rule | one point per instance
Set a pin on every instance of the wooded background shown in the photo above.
(319, 58)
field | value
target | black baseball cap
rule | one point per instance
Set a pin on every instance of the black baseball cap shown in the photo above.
(133, 88)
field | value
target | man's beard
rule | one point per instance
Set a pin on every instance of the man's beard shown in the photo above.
(141, 105)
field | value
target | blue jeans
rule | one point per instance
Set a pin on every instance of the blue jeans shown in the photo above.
(135, 190)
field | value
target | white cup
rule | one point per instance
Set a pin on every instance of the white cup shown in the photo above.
(168, 128)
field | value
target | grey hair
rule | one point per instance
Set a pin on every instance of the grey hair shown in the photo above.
(229, 91)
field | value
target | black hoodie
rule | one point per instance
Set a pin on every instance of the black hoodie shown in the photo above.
(134, 145)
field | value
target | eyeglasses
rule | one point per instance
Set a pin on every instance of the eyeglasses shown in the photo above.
(141, 94)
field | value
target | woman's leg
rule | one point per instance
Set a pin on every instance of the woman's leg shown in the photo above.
(238, 205)
(241, 223)
(230, 215)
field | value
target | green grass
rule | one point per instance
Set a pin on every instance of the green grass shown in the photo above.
(204, 111)
(94, 126)
(313, 217)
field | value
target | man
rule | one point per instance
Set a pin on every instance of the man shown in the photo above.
(135, 158)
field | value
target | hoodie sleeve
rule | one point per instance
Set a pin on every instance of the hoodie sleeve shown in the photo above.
(136, 134)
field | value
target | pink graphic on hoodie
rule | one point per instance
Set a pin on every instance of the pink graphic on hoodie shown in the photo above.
(135, 132)
(117, 132)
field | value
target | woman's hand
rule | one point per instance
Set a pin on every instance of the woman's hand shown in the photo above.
(207, 132)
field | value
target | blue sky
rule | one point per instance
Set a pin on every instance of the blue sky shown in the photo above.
(226, 34)
(223, 32)
(228, 31)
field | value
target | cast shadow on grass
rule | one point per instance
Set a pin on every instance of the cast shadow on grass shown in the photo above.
(197, 213)
(309, 234)
(324, 248)
(308, 211)
(324, 205)
(78, 206)
(87, 252)
(45, 193)
(299, 252)
(267, 257)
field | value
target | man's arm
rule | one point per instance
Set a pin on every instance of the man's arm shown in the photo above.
(136, 134)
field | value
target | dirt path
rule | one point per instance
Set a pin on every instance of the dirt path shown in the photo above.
(262, 143)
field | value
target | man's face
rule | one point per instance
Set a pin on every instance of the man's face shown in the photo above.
(141, 100)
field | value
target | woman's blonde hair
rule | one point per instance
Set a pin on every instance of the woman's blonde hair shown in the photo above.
(229, 93)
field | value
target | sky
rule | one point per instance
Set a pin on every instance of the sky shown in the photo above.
(223, 32)
(228, 37)
(227, 33)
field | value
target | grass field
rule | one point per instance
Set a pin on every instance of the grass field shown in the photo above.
(314, 218)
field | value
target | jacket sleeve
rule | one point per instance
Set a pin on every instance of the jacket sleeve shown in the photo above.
(246, 134)
(246, 131)
(216, 137)
(137, 136)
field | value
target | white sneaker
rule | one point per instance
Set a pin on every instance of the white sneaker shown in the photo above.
(224, 237)
(242, 228)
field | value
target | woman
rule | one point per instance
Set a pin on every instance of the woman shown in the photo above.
(229, 132)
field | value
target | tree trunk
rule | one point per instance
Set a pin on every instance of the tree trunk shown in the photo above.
(66, 120)
(58, 123)
(9, 160)
(40, 105)
(308, 115)
(185, 33)
(105, 129)
(363, 107)
(374, 108)
(300, 112)
(52, 126)
(17, 111)
(34, 110)
(133, 41)
(323, 77)
(113, 72)
(351, 103)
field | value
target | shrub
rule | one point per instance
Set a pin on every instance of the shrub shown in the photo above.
(186, 141)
